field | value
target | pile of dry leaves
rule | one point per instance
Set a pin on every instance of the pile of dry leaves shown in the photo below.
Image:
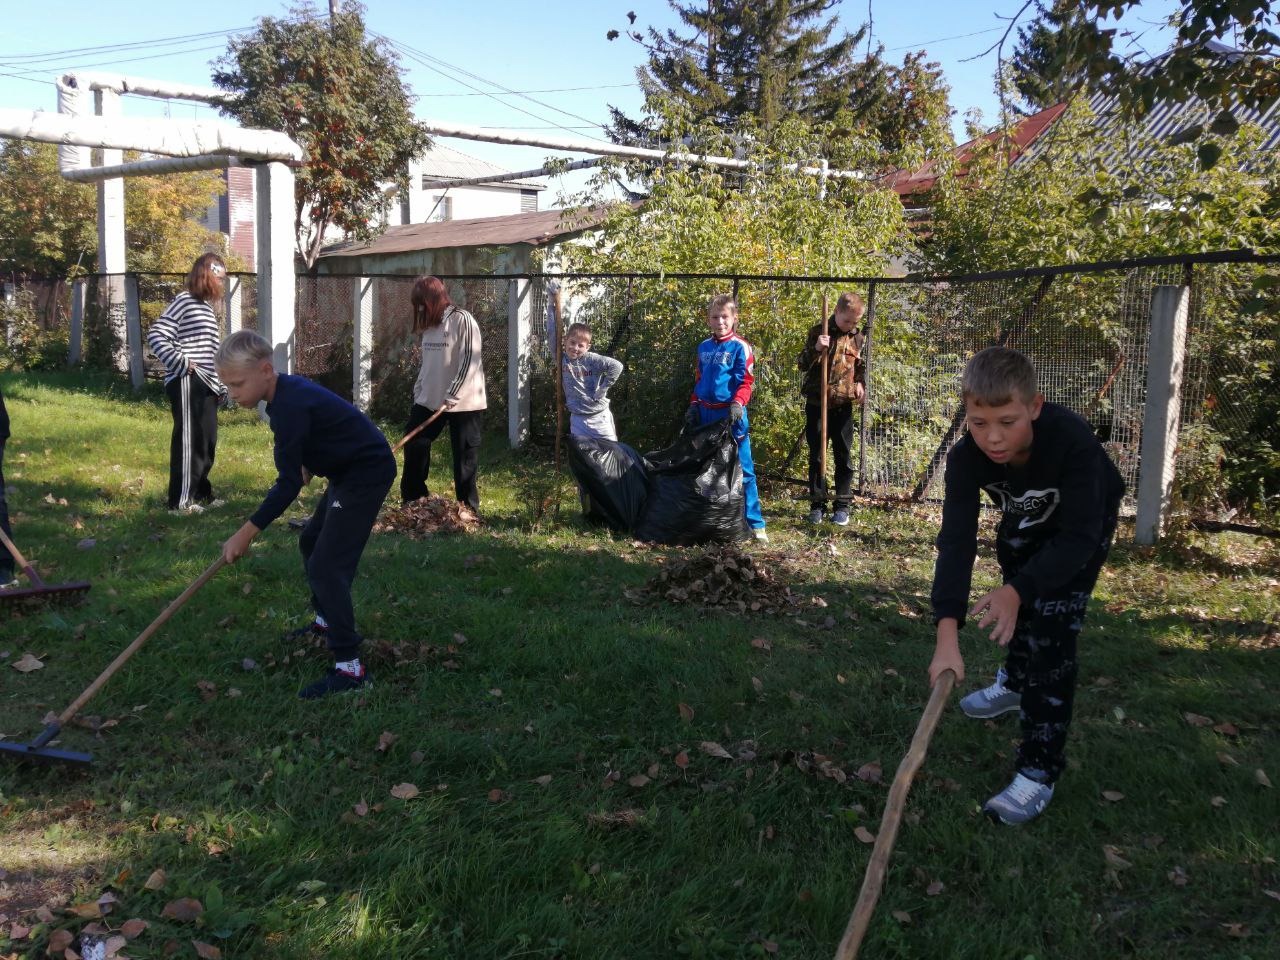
(723, 577)
(429, 516)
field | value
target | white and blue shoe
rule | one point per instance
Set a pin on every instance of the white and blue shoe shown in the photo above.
(992, 701)
(1022, 800)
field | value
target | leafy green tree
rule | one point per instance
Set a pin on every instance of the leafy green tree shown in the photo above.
(1042, 68)
(43, 227)
(772, 219)
(340, 95)
(769, 59)
(1224, 53)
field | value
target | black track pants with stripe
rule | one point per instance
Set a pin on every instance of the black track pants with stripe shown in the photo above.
(195, 435)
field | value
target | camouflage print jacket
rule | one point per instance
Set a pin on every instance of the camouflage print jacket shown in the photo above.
(845, 365)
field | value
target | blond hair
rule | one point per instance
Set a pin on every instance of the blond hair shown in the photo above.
(578, 329)
(244, 348)
(998, 375)
(723, 300)
(851, 300)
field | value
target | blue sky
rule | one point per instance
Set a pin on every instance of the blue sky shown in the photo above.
(557, 46)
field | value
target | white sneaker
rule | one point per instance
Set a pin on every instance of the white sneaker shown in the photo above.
(760, 534)
(991, 701)
(10, 585)
(1022, 800)
(189, 509)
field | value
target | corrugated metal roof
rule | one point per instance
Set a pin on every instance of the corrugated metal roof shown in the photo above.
(445, 163)
(534, 229)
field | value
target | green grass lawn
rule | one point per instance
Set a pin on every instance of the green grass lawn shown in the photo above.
(538, 693)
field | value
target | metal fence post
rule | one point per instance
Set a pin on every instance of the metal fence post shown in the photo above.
(519, 338)
(1166, 349)
(75, 338)
(234, 308)
(277, 285)
(866, 387)
(362, 344)
(133, 332)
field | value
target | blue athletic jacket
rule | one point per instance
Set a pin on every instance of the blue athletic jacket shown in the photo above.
(725, 372)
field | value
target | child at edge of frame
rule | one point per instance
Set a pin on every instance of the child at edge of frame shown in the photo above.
(724, 376)
(1059, 496)
(317, 433)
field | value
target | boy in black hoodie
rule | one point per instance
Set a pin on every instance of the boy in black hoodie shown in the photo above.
(1059, 495)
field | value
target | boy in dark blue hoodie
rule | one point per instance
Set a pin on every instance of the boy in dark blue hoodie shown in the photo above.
(317, 433)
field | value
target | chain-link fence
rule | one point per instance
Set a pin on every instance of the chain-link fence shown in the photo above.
(1085, 327)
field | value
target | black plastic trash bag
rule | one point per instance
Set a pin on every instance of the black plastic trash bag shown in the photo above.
(695, 489)
(613, 475)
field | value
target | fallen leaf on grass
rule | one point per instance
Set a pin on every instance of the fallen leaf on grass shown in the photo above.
(1218, 801)
(206, 951)
(758, 684)
(26, 663)
(59, 940)
(385, 740)
(1261, 777)
(1227, 730)
(543, 780)
(247, 589)
(1227, 760)
(863, 834)
(134, 928)
(686, 712)
(617, 818)
(760, 643)
(114, 944)
(1113, 858)
(88, 543)
(86, 911)
(1198, 720)
(44, 914)
(417, 757)
(1273, 894)
(208, 689)
(404, 791)
(1178, 877)
(360, 809)
(1115, 796)
(934, 888)
(681, 759)
(902, 916)
(18, 932)
(1237, 930)
(638, 781)
(156, 880)
(713, 749)
(186, 910)
(497, 795)
(870, 772)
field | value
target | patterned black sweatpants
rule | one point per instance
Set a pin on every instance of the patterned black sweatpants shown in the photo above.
(1041, 665)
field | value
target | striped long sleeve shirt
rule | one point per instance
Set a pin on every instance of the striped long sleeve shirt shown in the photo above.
(187, 332)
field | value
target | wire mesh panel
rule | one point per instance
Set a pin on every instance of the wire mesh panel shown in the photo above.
(324, 325)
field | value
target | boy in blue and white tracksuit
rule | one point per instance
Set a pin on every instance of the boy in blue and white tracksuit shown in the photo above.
(723, 380)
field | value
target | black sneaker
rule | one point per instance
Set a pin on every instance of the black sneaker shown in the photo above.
(335, 681)
(305, 632)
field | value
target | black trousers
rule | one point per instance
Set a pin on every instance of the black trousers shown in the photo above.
(7, 565)
(195, 435)
(464, 439)
(840, 434)
(331, 544)
(1041, 665)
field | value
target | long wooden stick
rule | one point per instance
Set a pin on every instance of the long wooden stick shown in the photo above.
(142, 638)
(825, 360)
(860, 920)
(417, 430)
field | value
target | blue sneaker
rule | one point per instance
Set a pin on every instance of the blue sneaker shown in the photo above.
(1022, 800)
(817, 515)
(991, 701)
(840, 518)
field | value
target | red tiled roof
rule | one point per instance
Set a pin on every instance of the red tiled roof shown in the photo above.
(534, 229)
(910, 183)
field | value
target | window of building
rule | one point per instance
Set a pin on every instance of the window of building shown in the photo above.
(442, 208)
(528, 201)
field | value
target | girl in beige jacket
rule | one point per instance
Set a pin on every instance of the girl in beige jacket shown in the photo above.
(452, 377)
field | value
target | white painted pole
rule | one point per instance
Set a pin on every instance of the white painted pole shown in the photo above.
(277, 293)
(133, 333)
(362, 343)
(75, 338)
(234, 305)
(1161, 419)
(519, 337)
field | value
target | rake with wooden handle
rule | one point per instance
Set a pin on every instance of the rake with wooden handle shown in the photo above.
(38, 748)
(418, 429)
(38, 589)
(873, 881)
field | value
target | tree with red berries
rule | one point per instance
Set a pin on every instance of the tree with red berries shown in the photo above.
(340, 95)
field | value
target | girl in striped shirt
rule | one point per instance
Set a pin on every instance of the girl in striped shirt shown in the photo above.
(186, 338)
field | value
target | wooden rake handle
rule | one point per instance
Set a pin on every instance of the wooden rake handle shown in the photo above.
(142, 638)
(14, 552)
(873, 881)
(418, 429)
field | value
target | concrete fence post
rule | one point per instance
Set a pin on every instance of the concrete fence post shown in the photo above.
(519, 337)
(362, 343)
(277, 285)
(1161, 419)
(234, 305)
(133, 332)
(75, 338)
